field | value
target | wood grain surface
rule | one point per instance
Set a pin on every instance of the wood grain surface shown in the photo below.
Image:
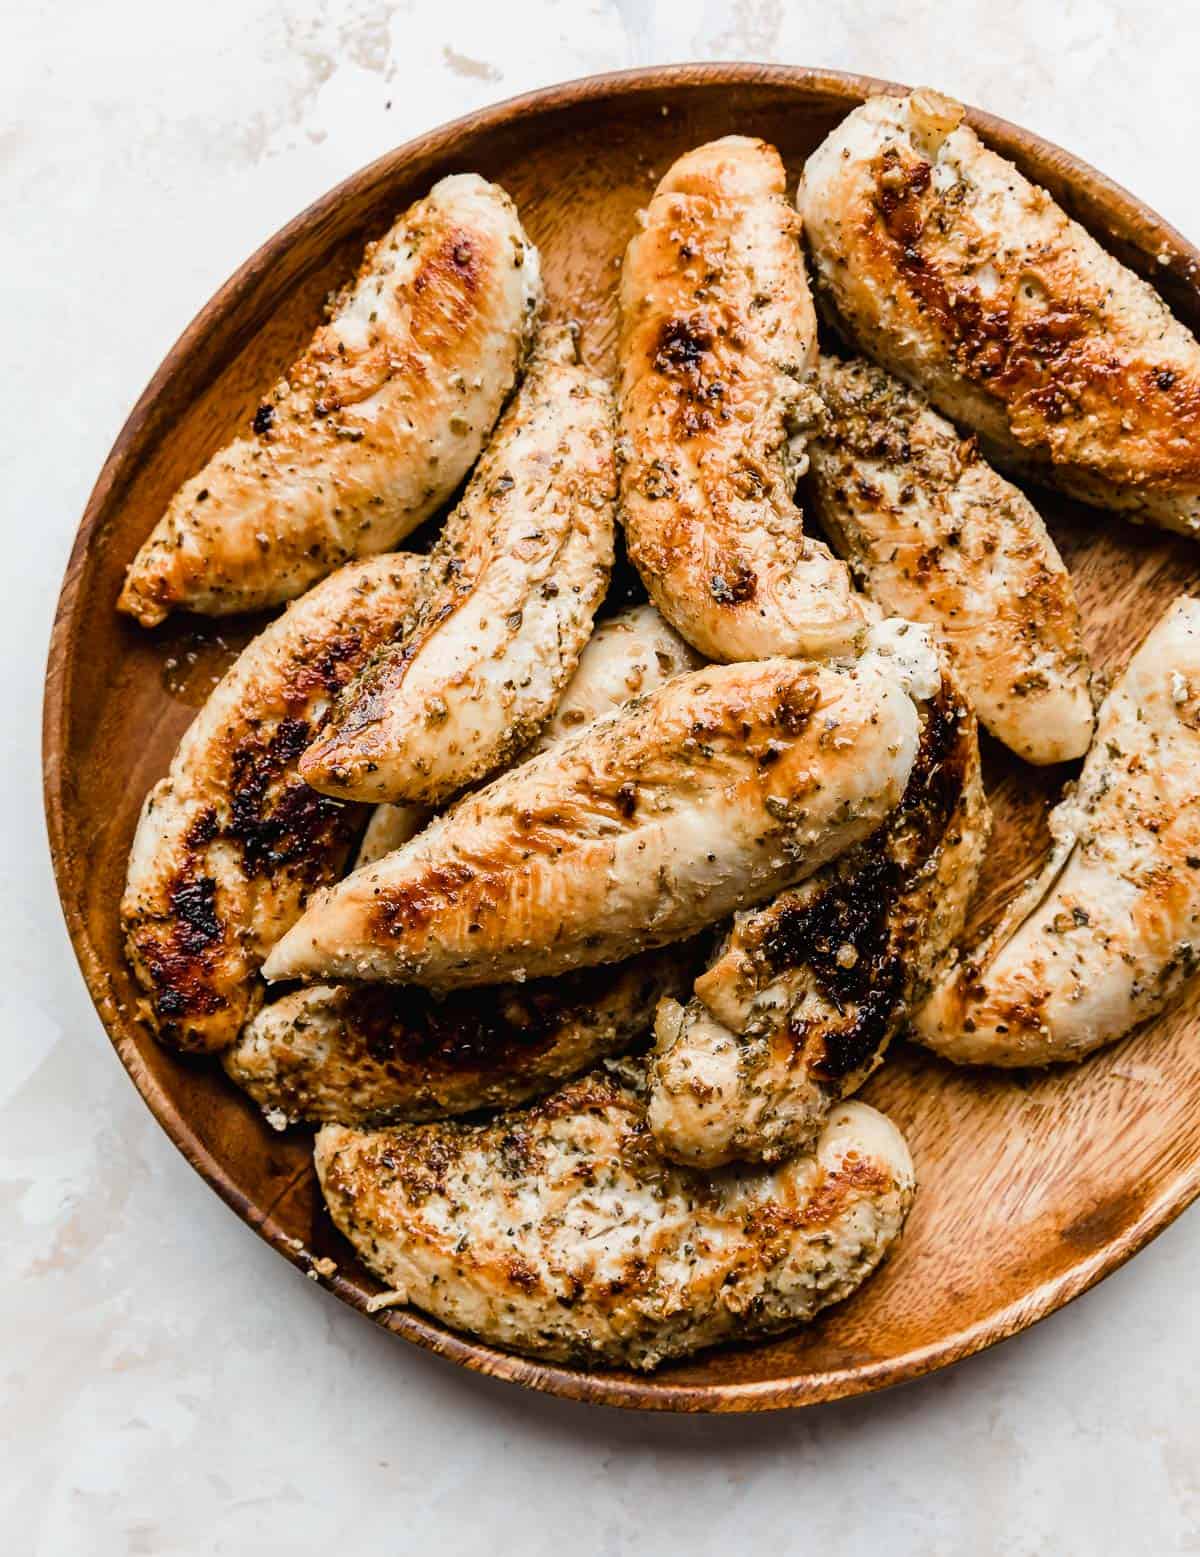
(1032, 1187)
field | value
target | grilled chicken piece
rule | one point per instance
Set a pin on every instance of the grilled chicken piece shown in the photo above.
(357, 1054)
(717, 332)
(559, 1231)
(390, 827)
(945, 264)
(806, 994)
(507, 605)
(371, 429)
(353, 1054)
(1110, 930)
(628, 655)
(933, 534)
(634, 651)
(232, 841)
(711, 793)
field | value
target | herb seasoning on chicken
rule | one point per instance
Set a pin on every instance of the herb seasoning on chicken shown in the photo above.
(944, 263)
(506, 604)
(560, 1231)
(717, 335)
(371, 429)
(935, 535)
(710, 794)
(1109, 931)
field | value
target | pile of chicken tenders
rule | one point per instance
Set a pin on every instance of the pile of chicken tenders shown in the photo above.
(574, 929)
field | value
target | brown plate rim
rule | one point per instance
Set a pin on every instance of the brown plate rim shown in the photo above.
(1183, 261)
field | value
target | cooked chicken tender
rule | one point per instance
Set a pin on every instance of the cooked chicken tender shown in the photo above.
(1110, 930)
(390, 827)
(232, 841)
(806, 994)
(364, 1053)
(559, 1231)
(932, 533)
(710, 794)
(717, 334)
(628, 654)
(506, 607)
(371, 429)
(634, 651)
(941, 261)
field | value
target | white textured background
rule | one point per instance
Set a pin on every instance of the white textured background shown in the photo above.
(167, 1384)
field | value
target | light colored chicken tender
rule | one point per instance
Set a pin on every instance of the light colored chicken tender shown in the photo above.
(944, 263)
(232, 841)
(506, 607)
(1110, 929)
(717, 335)
(559, 1231)
(628, 655)
(371, 429)
(935, 535)
(708, 795)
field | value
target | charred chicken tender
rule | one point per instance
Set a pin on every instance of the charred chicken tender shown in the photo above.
(371, 429)
(933, 534)
(712, 793)
(506, 607)
(629, 653)
(561, 1232)
(717, 336)
(1110, 929)
(940, 260)
(374, 1053)
(802, 1000)
(232, 841)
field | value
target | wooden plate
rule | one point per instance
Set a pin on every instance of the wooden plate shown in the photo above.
(1032, 1187)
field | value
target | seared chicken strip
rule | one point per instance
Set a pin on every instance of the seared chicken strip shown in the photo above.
(628, 655)
(945, 264)
(559, 1231)
(1110, 930)
(357, 1054)
(232, 841)
(634, 651)
(806, 994)
(371, 429)
(712, 793)
(390, 827)
(935, 535)
(507, 605)
(717, 332)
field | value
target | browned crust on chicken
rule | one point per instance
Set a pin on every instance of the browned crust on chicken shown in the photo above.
(803, 999)
(373, 426)
(942, 261)
(232, 841)
(713, 792)
(935, 535)
(717, 334)
(361, 1054)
